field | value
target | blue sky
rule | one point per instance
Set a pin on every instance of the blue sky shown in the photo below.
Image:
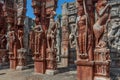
(58, 10)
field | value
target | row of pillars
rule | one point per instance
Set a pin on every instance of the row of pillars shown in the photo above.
(90, 66)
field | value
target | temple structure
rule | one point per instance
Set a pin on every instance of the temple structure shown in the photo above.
(88, 33)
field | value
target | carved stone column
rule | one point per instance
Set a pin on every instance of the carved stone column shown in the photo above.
(58, 39)
(85, 46)
(101, 51)
(21, 51)
(39, 44)
(51, 51)
(9, 13)
(65, 37)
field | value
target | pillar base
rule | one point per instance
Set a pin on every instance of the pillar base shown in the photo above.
(13, 63)
(85, 70)
(21, 59)
(101, 78)
(51, 72)
(64, 61)
(39, 67)
(21, 68)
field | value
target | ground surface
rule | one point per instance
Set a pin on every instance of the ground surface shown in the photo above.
(28, 74)
(64, 74)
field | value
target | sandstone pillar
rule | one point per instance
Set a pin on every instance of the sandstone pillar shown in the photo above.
(101, 51)
(9, 14)
(21, 51)
(65, 37)
(51, 51)
(85, 61)
(39, 49)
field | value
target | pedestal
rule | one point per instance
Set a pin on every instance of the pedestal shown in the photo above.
(101, 78)
(51, 72)
(39, 66)
(21, 59)
(64, 60)
(39, 63)
(102, 64)
(51, 62)
(85, 70)
(13, 61)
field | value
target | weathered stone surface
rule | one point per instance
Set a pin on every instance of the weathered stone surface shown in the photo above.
(38, 39)
(43, 47)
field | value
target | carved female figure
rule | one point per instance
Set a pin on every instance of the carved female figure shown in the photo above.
(51, 34)
(38, 36)
(20, 37)
(11, 40)
(84, 34)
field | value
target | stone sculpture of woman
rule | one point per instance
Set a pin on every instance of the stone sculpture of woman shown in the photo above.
(38, 36)
(11, 40)
(51, 34)
(84, 34)
(20, 37)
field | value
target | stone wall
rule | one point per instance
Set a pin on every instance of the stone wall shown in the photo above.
(114, 36)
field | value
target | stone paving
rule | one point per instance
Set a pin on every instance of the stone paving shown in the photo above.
(28, 74)
(64, 74)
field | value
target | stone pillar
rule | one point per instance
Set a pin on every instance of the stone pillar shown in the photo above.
(65, 37)
(65, 46)
(85, 46)
(51, 51)
(21, 51)
(58, 38)
(39, 44)
(9, 14)
(101, 51)
(72, 15)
